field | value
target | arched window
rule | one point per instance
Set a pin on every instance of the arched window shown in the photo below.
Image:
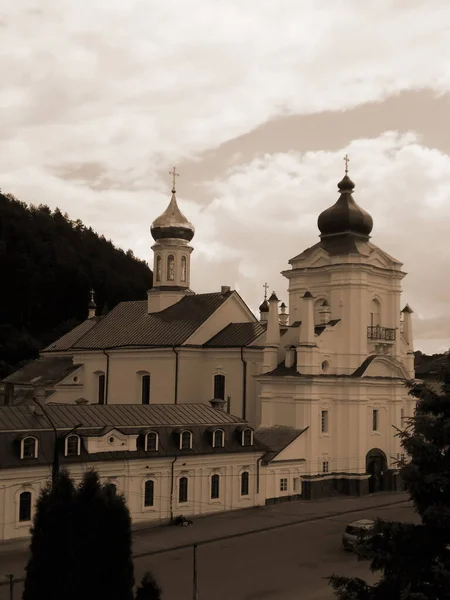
(375, 313)
(215, 490)
(244, 483)
(218, 438)
(145, 389)
(183, 268)
(29, 447)
(170, 267)
(185, 440)
(183, 489)
(101, 388)
(219, 386)
(158, 268)
(149, 493)
(25, 506)
(72, 445)
(151, 441)
(247, 437)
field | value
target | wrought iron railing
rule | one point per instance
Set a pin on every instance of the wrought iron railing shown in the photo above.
(385, 334)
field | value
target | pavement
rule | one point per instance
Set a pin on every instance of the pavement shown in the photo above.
(156, 539)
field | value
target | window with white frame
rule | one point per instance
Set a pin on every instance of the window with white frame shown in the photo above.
(151, 441)
(325, 466)
(218, 438)
(324, 421)
(185, 440)
(283, 484)
(149, 493)
(25, 505)
(375, 420)
(72, 445)
(29, 447)
(247, 437)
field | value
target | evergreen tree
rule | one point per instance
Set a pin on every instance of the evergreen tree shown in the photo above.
(414, 560)
(49, 572)
(149, 589)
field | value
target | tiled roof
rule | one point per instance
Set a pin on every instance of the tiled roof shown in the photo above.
(129, 323)
(43, 371)
(276, 438)
(66, 416)
(68, 340)
(236, 334)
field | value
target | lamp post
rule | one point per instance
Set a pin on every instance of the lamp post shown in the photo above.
(55, 463)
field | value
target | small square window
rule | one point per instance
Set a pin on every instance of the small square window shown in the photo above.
(375, 420)
(283, 484)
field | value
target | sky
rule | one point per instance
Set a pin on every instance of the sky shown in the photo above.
(256, 103)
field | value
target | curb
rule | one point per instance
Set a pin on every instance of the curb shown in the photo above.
(231, 536)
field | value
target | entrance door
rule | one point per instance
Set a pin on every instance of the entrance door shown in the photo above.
(376, 465)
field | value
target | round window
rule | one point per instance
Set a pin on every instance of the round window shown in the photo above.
(75, 379)
(111, 440)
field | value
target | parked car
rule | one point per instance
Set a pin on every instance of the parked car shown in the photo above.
(355, 531)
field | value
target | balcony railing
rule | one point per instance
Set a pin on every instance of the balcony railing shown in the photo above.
(384, 334)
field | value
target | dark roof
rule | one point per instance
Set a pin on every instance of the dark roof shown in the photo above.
(236, 334)
(276, 438)
(43, 371)
(68, 340)
(66, 416)
(129, 323)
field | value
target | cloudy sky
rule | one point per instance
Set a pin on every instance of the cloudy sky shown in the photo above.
(256, 103)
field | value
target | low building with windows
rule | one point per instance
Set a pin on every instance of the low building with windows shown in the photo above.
(167, 460)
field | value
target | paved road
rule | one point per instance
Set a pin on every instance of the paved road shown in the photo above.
(283, 564)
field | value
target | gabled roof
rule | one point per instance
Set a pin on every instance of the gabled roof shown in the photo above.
(69, 339)
(236, 335)
(276, 438)
(43, 371)
(120, 416)
(129, 323)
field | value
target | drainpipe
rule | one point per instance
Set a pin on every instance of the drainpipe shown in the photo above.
(258, 463)
(106, 376)
(244, 384)
(176, 375)
(171, 488)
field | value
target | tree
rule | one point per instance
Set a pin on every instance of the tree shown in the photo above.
(414, 560)
(49, 572)
(149, 589)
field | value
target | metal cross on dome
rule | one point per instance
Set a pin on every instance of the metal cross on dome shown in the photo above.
(346, 160)
(266, 287)
(174, 174)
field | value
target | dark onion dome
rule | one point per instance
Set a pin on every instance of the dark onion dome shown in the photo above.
(345, 216)
(172, 224)
(264, 306)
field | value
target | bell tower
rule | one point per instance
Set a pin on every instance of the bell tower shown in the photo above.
(172, 233)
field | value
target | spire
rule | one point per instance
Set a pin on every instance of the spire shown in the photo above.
(92, 306)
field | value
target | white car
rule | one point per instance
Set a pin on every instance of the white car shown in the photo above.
(354, 531)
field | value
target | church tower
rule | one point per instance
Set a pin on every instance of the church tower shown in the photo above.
(172, 233)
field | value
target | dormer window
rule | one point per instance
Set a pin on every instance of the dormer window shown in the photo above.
(186, 440)
(151, 441)
(29, 448)
(218, 438)
(247, 437)
(72, 445)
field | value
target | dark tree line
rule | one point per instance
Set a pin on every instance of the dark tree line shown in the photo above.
(48, 264)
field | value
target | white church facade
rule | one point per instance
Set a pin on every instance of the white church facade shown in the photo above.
(321, 382)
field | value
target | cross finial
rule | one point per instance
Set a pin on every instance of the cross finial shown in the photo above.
(174, 174)
(266, 287)
(92, 295)
(346, 160)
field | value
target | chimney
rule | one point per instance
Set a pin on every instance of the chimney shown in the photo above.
(218, 403)
(325, 312)
(92, 306)
(283, 315)
(225, 289)
(307, 314)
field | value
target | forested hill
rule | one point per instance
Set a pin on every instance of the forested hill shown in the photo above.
(48, 264)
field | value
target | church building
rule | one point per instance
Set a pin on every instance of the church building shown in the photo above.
(321, 380)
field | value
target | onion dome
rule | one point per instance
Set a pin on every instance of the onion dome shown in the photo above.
(172, 224)
(345, 216)
(264, 307)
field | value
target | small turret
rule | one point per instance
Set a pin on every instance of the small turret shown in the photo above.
(283, 317)
(92, 307)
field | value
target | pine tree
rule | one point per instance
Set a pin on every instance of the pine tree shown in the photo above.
(414, 560)
(49, 572)
(149, 589)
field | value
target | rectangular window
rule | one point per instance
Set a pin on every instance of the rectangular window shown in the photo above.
(375, 419)
(325, 466)
(145, 389)
(101, 389)
(219, 387)
(283, 484)
(25, 506)
(183, 490)
(149, 493)
(244, 483)
(215, 479)
(402, 417)
(324, 421)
